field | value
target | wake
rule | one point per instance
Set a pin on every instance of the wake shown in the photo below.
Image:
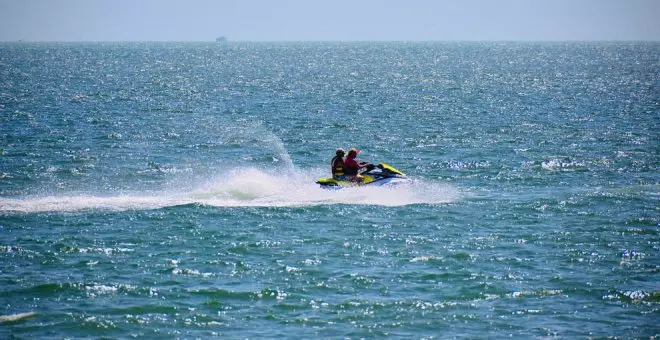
(242, 188)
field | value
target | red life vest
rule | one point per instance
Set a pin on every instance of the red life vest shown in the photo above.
(352, 167)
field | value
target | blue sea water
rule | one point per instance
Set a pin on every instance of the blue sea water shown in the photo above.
(167, 190)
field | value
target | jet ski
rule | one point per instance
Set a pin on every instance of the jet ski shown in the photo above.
(379, 175)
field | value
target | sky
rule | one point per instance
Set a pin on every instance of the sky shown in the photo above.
(329, 20)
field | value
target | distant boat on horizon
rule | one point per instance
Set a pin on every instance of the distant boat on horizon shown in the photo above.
(221, 39)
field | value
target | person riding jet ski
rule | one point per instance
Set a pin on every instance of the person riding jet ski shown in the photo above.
(352, 166)
(337, 165)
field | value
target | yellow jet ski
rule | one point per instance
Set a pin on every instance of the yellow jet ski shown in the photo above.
(381, 174)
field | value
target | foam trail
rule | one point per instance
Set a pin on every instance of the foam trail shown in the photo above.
(16, 317)
(244, 187)
(86, 202)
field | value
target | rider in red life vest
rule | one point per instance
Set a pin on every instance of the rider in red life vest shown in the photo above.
(352, 166)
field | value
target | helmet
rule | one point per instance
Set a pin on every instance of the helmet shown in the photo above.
(353, 151)
(340, 152)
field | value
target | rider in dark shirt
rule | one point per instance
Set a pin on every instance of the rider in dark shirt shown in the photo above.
(337, 165)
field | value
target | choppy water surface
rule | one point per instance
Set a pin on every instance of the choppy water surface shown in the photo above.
(168, 190)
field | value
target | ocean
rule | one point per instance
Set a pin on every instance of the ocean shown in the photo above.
(167, 190)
